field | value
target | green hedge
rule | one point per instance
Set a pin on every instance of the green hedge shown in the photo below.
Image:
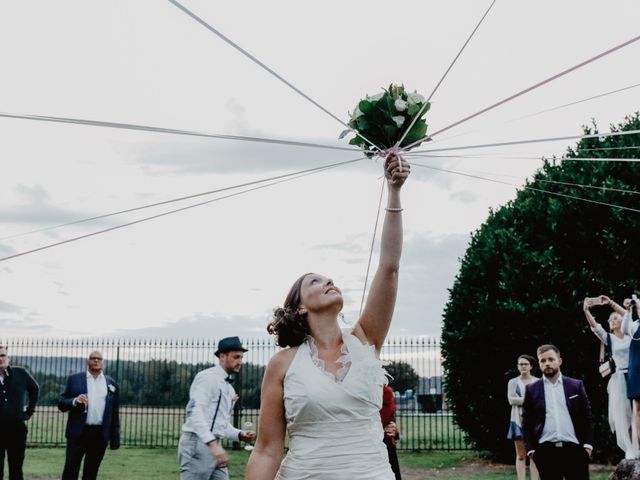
(523, 278)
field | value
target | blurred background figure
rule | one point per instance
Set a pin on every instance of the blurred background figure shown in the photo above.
(515, 395)
(391, 433)
(617, 346)
(15, 384)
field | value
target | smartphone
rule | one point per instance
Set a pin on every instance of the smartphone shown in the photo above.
(593, 301)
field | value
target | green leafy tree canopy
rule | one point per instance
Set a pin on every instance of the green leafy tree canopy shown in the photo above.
(524, 275)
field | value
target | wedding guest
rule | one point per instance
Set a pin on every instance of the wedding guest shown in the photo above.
(515, 396)
(16, 384)
(391, 433)
(620, 408)
(630, 323)
(93, 402)
(211, 400)
(556, 421)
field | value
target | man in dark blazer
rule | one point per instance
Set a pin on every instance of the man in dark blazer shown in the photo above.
(556, 421)
(15, 384)
(92, 400)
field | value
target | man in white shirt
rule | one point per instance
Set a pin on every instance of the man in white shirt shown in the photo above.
(211, 399)
(92, 400)
(556, 421)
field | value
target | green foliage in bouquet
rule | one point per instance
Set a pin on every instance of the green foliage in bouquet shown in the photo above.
(383, 119)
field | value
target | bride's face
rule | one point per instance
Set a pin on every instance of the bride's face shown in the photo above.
(318, 293)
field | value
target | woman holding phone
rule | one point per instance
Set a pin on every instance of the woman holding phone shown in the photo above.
(620, 408)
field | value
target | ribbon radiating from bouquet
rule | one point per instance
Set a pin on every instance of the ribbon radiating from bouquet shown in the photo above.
(389, 123)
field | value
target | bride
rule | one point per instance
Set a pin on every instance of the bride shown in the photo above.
(325, 390)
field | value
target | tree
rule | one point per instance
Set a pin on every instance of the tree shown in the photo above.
(404, 377)
(524, 276)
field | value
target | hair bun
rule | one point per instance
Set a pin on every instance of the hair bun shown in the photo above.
(289, 326)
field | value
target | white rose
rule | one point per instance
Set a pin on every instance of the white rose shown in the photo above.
(375, 97)
(399, 119)
(400, 105)
(414, 98)
(356, 113)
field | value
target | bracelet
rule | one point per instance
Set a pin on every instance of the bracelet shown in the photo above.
(394, 209)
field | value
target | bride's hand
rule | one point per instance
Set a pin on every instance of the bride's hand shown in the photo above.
(392, 173)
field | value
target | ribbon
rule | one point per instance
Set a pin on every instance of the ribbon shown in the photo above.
(395, 150)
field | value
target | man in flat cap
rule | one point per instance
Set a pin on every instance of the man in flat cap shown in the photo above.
(211, 399)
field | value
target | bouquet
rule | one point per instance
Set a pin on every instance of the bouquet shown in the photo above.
(384, 118)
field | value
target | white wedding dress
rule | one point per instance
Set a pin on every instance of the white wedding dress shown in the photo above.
(334, 426)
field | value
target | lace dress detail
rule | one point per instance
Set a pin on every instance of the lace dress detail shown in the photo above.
(344, 360)
(334, 425)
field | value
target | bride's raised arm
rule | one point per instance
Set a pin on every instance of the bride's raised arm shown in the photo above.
(373, 324)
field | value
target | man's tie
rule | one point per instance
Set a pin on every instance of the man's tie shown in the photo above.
(229, 379)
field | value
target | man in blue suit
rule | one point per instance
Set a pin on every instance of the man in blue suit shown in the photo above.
(92, 400)
(556, 421)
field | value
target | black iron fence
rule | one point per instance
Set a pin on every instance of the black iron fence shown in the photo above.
(155, 375)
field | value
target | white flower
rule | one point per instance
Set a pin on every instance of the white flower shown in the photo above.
(414, 98)
(356, 113)
(112, 388)
(399, 119)
(376, 97)
(400, 105)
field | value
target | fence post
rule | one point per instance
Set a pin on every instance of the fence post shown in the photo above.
(117, 375)
(236, 409)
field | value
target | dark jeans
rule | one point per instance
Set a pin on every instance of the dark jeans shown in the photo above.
(569, 461)
(91, 446)
(13, 441)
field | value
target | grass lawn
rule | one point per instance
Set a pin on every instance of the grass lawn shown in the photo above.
(161, 464)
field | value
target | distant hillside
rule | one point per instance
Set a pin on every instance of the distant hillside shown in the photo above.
(58, 366)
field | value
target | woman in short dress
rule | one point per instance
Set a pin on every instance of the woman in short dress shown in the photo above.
(515, 396)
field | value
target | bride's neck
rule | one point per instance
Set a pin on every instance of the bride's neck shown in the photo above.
(325, 331)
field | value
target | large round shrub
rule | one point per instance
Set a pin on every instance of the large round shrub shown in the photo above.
(523, 278)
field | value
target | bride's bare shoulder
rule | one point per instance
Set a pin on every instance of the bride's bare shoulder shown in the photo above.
(279, 363)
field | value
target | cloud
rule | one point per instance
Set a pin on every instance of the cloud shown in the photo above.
(429, 266)
(6, 250)
(353, 245)
(12, 326)
(229, 156)
(9, 307)
(427, 271)
(203, 325)
(36, 208)
(465, 196)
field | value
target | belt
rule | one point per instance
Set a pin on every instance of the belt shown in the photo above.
(560, 444)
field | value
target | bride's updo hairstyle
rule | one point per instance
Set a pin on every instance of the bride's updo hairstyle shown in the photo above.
(288, 325)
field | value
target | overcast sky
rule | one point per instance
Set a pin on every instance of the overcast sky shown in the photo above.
(219, 269)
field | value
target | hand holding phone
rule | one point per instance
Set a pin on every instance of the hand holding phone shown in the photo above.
(593, 301)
